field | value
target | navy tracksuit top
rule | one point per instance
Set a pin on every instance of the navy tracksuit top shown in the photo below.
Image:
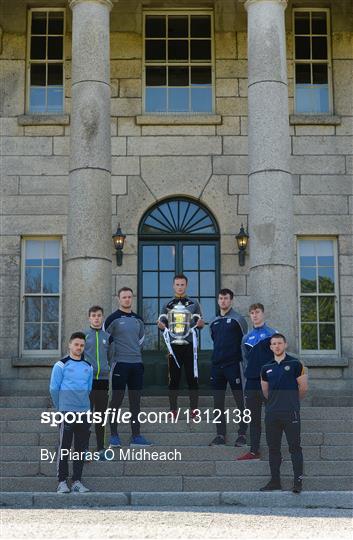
(227, 332)
(256, 350)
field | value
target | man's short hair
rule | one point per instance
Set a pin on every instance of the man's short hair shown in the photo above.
(256, 306)
(94, 309)
(180, 276)
(224, 292)
(77, 335)
(278, 336)
(125, 289)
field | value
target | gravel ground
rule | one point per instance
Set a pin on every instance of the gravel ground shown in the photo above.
(163, 523)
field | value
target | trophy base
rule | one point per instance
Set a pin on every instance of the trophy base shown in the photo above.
(179, 342)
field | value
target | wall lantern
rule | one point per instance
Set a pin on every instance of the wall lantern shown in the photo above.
(242, 239)
(119, 240)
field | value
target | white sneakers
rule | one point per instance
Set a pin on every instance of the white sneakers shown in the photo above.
(77, 487)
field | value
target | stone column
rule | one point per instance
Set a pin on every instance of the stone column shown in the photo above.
(88, 270)
(272, 277)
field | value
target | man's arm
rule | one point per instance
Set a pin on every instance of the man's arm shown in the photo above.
(264, 386)
(302, 385)
(56, 378)
(163, 323)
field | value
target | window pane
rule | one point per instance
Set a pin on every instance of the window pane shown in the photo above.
(155, 26)
(155, 50)
(325, 261)
(318, 22)
(193, 284)
(55, 48)
(156, 76)
(55, 99)
(38, 75)
(39, 22)
(308, 279)
(150, 284)
(50, 309)
(56, 23)
(201, 75)
(325, 248)
(55, 74)
(178, 26)
(156, 100)
(327, 337)
(32, 309)
(302, 23)
(167, 257)
(151, 338)
(34, 252)
(326, 309)
(307, 261)
(320, 75)
(38, 48)
(207, 283)
(302, 48)
(166, 283)
(50, 334)
(33, 280)
(207, 257)
(208, 307)
(200, 49)
(178, 50)
(150, 310)
(37, 99)
(150, 257)
(178, 76)
(309, 337)
(206, 340)
(319, 48)
(302, 73)
(326, 280)
(31, 336)
(200, 26)
(190, 258)
(51, 280)
(51, 252)
(312, 99)
(178, 99)
(201, 100)
(308, 308)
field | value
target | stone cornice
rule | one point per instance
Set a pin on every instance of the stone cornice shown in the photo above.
(107, 3)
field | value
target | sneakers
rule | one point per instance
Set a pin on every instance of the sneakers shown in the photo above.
(240, 441)
(102, 456)
(217, 441)
(114, 441)
(63, 487)
(78, 487)
(250, 456)
(297, 486)
(272, 485)
(139, 440)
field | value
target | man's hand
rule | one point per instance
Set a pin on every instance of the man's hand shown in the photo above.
(161, 325)
(200, 323)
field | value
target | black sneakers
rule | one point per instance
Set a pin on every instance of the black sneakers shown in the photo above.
(240, 441)
(297, 485)
(217, 441)
(272, 485)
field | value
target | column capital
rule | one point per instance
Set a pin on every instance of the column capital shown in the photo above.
(248, 3)
(107, 3)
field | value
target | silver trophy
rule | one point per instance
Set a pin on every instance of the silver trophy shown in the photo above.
(179, 323)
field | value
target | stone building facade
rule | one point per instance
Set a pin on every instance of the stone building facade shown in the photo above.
(266, 143)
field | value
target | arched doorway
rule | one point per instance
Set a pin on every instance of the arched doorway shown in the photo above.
(177, 235)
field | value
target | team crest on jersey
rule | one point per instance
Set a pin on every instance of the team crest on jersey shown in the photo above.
(229, 321)
(287, 368)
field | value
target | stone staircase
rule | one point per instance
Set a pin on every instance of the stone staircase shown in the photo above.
(327, 439)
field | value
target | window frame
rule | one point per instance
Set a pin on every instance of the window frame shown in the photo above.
(39, 352)
(328, 61)
(179, 11)
(29, 61)
(321, 352)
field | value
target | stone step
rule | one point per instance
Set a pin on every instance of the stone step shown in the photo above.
(182, 426)
(144, 468)
(177, 483)
(163, 439)
(197, 453)
(307, 413)
(24, 401)
(277, 499)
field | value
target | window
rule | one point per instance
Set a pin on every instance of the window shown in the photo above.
(41, 296)
(178, 69)
(312, 61)
(318, 295)
(177, 236)
(45, 61)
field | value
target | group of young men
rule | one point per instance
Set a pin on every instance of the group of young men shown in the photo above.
(254, 364)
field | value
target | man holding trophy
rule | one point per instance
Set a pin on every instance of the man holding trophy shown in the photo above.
(178, 321)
